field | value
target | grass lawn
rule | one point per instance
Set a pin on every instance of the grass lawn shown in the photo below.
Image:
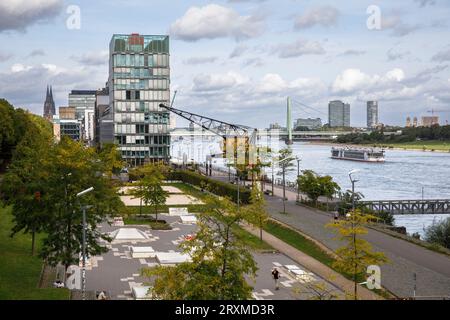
(419, 145)
(19, 271)
(152, 223)
(252, 241)
(299, 242)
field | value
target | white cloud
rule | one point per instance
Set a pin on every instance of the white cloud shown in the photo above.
(214, 21)
(397, 26)
(352, 52)
(238, 51)
(5, 56)
(93, 58)
(200, 60)
(442, 56)
(19, 14)
(299, 48)
(18, 67)
(325, 16)
(352, 80)
(215, 82)
(424, 3)
(34, 79)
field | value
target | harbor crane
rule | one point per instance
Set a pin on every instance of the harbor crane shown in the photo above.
(239, 141)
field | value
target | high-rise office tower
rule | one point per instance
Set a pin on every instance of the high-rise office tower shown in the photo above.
(139, 80)
(372, 114)
(338, 114)
(49, 105)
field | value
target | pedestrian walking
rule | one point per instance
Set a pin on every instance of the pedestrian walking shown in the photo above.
(276, 276)
(336, 216)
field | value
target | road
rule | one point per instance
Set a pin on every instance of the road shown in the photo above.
(432, 269)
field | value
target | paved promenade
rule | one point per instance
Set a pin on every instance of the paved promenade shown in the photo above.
(406, 259)
(432, 269)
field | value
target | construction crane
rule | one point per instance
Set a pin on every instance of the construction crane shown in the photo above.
(238, 145)
(432, 111)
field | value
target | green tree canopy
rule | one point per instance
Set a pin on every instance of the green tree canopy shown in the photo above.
(315, 186)
(219, 264)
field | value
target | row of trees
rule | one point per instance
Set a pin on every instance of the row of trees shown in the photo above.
(15, 124)
(408, 135)
(41, 184)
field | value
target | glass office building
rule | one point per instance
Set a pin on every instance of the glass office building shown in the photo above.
(338, 114)
(372, 114)
(139, 80)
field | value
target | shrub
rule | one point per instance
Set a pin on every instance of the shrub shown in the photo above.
(219, 188)
(439, 233)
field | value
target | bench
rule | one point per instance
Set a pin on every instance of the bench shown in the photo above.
(178, 212)
(188, 219)
(172, 258)
(142, 252)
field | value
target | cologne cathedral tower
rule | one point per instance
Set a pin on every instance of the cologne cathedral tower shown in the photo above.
(49, 105)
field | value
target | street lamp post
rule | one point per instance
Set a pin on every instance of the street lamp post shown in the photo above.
(283, 166)
(298, 175)
(273, 177)
(83, 273)
(353, 229)
(238, 195)
(353, 181)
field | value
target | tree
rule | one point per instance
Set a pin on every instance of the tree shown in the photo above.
(255, 212)
(439, 233)
(219, 264)
(149, 188)
(24, 183)
(285, 161)
(357, 254)
(315, 186)
(73, 168)
(112, 159)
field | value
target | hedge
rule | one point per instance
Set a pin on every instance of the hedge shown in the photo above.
(219, 188)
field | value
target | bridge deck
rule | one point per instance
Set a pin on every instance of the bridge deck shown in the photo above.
(433, 206)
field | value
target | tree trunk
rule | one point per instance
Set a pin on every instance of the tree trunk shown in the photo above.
(33, 238)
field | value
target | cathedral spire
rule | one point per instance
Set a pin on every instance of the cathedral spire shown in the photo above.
(49, 105)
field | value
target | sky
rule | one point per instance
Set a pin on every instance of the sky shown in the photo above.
(239, 60)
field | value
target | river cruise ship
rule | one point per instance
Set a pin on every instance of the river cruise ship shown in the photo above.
(358, 154)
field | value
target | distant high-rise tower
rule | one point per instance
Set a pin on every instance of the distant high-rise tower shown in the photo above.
(49, 105)
(415, 122)
(372, 114)
(338, 114)
(408, 122)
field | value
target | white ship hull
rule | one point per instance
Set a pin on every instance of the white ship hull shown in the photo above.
(382, 160)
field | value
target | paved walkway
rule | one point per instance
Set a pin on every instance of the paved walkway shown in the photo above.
(432, 269)
(315, 266)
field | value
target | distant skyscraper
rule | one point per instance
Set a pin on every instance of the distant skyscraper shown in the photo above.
(372, 114)
(338, 114)
(308, 123)
(139, 81)
(430, 121)
(408, 122)
(49, 105)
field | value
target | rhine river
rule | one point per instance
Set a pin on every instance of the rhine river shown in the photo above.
(405, 174)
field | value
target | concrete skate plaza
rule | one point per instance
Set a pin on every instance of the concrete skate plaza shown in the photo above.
(176, 197)
(117, 272)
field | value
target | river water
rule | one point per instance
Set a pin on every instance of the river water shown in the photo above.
(405, 174)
